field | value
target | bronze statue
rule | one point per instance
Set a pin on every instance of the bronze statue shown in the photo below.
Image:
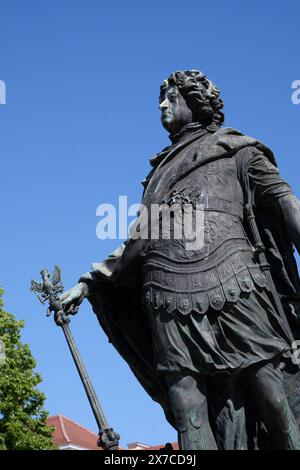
(208, 332)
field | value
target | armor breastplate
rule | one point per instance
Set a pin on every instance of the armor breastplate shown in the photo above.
(185, 279)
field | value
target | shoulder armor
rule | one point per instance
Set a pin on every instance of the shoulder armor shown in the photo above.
(233, 140)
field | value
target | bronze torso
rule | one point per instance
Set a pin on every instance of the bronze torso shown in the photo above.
(194, 280)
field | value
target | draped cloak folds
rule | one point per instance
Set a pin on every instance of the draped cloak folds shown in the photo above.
(116, 283)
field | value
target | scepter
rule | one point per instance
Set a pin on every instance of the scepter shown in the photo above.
(49, 290)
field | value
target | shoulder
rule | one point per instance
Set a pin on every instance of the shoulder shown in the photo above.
(244, 146)
(232, 139)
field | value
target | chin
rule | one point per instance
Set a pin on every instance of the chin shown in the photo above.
(167, 123)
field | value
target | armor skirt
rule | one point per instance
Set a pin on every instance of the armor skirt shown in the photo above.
(227, 341)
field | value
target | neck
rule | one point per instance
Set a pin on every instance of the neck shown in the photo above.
(185, 130)
(189, 129)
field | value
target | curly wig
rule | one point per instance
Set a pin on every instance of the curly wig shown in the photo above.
(200, 94)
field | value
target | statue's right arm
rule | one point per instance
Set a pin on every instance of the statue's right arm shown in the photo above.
(72, 298)
(109, 270)
(124, 258)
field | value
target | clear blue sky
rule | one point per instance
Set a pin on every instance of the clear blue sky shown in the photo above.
(80, 123)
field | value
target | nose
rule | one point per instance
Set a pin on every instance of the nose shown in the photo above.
(163, 105)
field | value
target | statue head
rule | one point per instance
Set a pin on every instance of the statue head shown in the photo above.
(188, 96)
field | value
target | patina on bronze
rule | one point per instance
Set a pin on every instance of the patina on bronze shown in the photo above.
(209, 332)
(48, 290)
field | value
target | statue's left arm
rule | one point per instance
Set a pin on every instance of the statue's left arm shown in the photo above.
(290, 210)
(275, 195)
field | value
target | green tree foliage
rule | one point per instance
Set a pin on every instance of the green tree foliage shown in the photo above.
(22, 416)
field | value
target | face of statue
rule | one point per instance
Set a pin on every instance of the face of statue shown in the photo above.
(174, 111)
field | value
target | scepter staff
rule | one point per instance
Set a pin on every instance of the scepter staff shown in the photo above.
(49, 290)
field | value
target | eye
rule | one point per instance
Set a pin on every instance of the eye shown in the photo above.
(173, 98)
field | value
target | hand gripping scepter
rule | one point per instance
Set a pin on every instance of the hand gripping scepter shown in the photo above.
(48, 290)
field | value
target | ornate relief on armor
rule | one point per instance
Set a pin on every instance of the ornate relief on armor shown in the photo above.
(207, 287)
(185, 280)
(218, 228)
